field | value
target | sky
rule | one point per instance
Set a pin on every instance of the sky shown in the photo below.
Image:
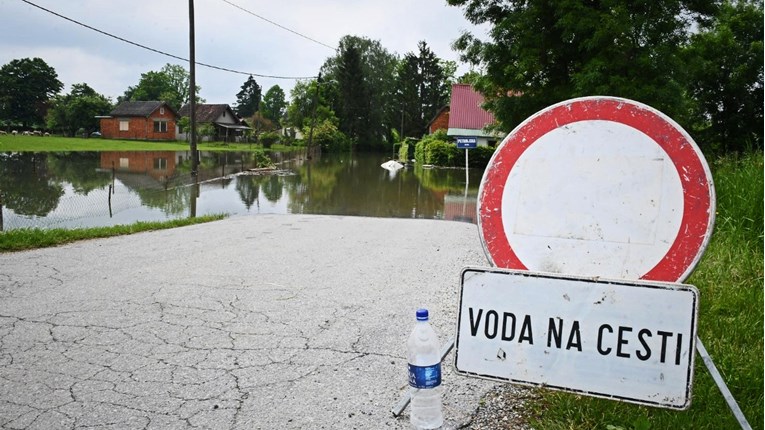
(228, 35)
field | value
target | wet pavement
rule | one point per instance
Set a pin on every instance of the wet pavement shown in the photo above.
(252, 322)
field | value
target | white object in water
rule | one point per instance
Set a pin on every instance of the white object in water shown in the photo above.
(391, 165)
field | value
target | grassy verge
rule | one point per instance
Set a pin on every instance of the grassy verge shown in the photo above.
(10, 143)
(24, 239)
(730, 281)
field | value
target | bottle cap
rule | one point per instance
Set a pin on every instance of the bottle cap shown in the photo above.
(422, 314)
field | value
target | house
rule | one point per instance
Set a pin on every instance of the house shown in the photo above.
(440, 121)
(140, 120)
(468, 119)
(227, 125)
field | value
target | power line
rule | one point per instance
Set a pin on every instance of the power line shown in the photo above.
(278, 25)
(122, 39)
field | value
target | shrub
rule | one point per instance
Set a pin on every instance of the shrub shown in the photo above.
(328, 137)
(440, 153)
(268, 138)
(480, 156)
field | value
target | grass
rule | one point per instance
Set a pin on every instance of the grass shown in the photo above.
(10, 143)
(730, 281)
(25, 239)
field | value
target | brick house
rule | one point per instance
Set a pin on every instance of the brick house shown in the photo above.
(440, 121)
(140, 120)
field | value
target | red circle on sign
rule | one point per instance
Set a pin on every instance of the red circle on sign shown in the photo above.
(698, 193)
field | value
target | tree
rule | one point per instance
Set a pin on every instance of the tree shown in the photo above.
(77, 110)
(363, 73)
(304, 106)
(274, 104)
(261, 124)
(170, 85)
(248, 99)
(542, 52)
(180, 81)
(725, 62)
(26, 86)
(423, 87)
(354, 96)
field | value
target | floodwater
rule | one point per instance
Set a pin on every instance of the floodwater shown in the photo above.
(70, 190)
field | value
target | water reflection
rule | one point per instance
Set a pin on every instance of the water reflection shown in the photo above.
(109, 188)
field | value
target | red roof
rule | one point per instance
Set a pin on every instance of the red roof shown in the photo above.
(465, 109)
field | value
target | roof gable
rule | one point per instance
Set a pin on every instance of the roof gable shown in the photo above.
(139, 108)
(465, 109)
(208, 112)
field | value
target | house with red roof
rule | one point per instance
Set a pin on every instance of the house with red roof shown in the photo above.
(468, 119)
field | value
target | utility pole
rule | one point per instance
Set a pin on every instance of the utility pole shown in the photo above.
(313, 118)
(192, 94)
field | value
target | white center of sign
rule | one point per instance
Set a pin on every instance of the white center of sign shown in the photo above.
(596, 189)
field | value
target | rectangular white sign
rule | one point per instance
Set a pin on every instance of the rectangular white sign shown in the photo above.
(632, 341)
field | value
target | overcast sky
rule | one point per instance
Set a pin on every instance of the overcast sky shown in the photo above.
(226, 36)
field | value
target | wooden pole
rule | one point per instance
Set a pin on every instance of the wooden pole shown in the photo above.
(192, 94)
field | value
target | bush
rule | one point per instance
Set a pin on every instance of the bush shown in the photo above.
(268, 138)
(480, 156)
(261, 159)
(328, 137)
(440, 153)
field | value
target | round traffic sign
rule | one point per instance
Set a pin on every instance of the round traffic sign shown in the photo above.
(598, 186)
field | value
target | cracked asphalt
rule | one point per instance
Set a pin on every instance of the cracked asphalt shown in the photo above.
(252, 322)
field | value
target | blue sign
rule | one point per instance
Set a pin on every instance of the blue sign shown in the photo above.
(467, 142)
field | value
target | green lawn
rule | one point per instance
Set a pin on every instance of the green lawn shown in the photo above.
(24, 239)
(730, 281)
(10, 143)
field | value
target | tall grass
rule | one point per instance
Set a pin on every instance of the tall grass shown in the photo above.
(730, 281)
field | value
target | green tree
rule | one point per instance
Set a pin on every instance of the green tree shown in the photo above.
(180, 81)
(248, 99)
(274, 104)
(423, 87)
(310, 102)
(26, 86)
(299, 107)
(77, 110)
(354, 96)
(170, 85)
(541, 52)
(725, 62)
(361, 85)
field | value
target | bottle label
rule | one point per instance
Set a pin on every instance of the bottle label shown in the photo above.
(425, 376)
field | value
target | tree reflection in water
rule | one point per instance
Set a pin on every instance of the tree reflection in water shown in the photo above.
(72, 190)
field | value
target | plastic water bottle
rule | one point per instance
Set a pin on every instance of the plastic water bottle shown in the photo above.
(425, 374)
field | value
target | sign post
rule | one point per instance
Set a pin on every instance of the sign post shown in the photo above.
(599, 187)
(467, 143)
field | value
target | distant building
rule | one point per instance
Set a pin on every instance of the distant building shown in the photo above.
(468, 119)
(228, 126)
(141, 120)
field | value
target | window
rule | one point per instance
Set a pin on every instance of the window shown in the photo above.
(160, 126)
(160, 164)
(162, 110)
(124, 163)
(124, 125)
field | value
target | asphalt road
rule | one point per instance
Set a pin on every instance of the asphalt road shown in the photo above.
(253, 322)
